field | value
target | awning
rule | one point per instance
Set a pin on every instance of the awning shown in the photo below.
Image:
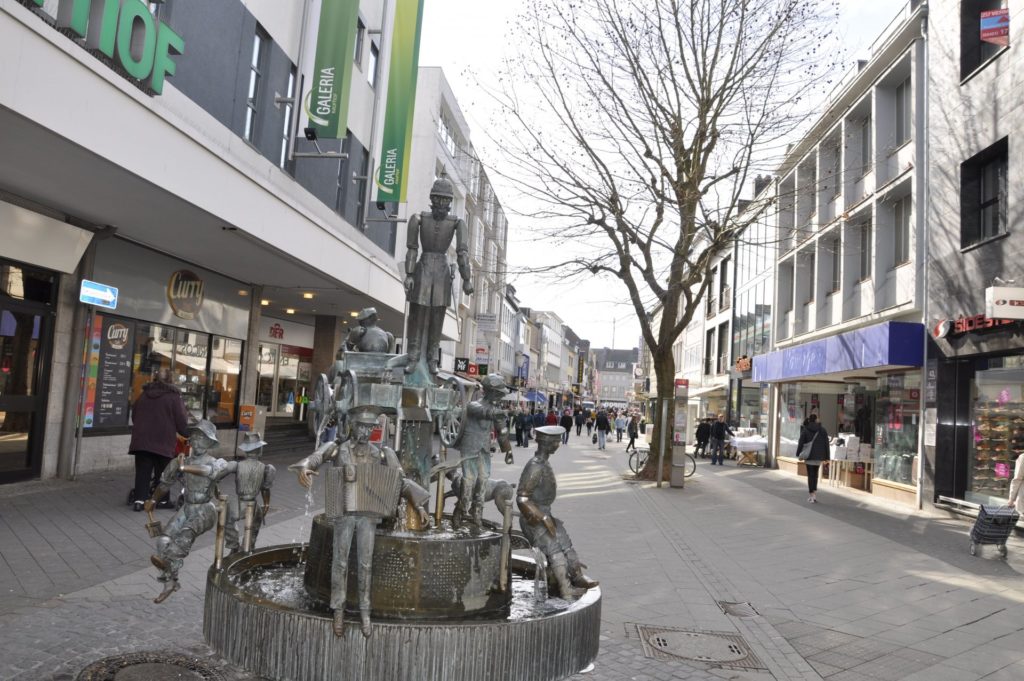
(513, 397)
(889, 344)
(536, 396)
(705, 391)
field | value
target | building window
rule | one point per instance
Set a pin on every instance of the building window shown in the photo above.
(287, 127)
(259, 48)
(709, 348)
(983, 195)
(903, 106)
(810, 277)
(865, 145)
(973, 50)
(371, 67)
(901, 231)
(360, 33)
(361, 180)
(865, 251)
(837, 265)
(723, 347)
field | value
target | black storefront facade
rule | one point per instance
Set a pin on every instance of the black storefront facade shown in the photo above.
(974, 418)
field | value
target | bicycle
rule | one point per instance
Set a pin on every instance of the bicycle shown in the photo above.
(638, 459)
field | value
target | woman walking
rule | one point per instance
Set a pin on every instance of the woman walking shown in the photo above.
(631, 430)
(158, 417)
(815, 435)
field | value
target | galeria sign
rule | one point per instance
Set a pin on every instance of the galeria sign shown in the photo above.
(126, 31)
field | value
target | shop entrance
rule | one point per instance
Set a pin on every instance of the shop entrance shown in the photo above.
(26, 330)
(284, 373)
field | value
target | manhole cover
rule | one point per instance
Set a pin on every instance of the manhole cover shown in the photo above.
(743, 609)
(150, 666)
(713, 648)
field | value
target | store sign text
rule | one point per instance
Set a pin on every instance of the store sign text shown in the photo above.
(185, 294)
(956, 327)
(125, 30)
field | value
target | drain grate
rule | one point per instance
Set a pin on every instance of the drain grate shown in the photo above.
(714, 648)
(149, 666)
(744, 609)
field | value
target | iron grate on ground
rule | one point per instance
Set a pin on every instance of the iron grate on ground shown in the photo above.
(155, 665)
(713, 648)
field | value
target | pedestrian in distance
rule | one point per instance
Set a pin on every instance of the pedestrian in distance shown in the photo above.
(525, 422)
(566, 423)
(590, 424)
(580, 420)
(518, 425)
(539, 419)
(158, 418)
(720, 431)
(703, 435)
(603, 428)
(552, 418)
(815, 434)
(620, 426)
(631, 429)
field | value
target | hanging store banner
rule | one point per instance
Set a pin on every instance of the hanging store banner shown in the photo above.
(327, 100)
(396, 141)
(995, 27)
(1004, 302)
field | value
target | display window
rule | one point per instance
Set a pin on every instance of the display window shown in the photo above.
(896, 423)
(997, 428)
(123, 356)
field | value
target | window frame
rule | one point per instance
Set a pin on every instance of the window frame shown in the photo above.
(865, 237)
(373, 65)
(902, 111)
(837, 264)
(974, 204)
(257, 64)
(902, 211)
(284, 163)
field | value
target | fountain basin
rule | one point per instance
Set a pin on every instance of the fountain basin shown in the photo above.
(284, 639)
(421, 575)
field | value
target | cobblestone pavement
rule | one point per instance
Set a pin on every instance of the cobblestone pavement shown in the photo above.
(849, 589)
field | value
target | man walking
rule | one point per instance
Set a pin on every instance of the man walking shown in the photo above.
(603, 428)
(719, 432)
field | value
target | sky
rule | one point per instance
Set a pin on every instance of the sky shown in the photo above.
(469, 39)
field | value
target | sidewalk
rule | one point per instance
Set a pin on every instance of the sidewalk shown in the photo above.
(848, 589)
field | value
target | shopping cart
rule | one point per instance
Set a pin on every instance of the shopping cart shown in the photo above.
(993, 526)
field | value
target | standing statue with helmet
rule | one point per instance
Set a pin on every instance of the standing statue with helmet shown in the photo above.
(368, 337)
(483, 417)
(428, 280)
(362, 487)
(252, 478)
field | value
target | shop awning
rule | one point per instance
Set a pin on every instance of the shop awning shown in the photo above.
(890, 344)
(704, 391)
(536, 396)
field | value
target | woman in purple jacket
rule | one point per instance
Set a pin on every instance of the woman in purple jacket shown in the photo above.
(158, 417)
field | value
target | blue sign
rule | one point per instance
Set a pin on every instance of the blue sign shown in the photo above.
(100, 295)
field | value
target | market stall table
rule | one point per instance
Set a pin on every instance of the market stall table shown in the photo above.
(748, 447)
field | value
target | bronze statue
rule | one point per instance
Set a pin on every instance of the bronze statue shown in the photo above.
(368, 337)
(483, 417)
(536, 493)
(363, 486)
(252, 477)
(428, 282)
(197, 515)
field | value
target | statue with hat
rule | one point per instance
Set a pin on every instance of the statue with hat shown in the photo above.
(252, 478)
(368, 337)
(363, 486)
(198, 514)
(534, 496)
(428, 280)
(484, 416)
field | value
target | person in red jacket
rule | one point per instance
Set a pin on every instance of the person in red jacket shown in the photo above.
(158, 417)
(552, 419)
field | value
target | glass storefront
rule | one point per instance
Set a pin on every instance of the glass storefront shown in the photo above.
(27, 295)
(124, 355)
(897, 419)
(284, 373)
(997, 428)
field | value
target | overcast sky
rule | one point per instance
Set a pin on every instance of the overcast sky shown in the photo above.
(468, 39)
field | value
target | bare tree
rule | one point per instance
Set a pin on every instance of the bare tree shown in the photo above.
(632, 126)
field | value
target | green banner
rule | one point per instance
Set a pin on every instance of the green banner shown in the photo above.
(396, 141)
(327, 100)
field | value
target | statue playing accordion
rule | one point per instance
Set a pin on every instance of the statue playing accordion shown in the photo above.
(363, 487)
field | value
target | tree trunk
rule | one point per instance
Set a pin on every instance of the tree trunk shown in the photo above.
(665, 370)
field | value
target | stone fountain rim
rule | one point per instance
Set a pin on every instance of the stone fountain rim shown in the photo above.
(238, 562)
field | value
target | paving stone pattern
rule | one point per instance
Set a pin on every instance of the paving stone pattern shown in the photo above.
(848, 589)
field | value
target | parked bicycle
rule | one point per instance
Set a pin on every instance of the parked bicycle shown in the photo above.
(638, 459)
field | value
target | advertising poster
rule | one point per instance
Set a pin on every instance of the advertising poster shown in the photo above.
(114, 373)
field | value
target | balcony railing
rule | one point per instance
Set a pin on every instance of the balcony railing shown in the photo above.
(726, 300)
(712, 308)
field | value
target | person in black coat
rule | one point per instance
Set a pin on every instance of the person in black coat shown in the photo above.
(525, 424)
(815, 434)
(720, 432)
(566, 422)
(703, 435)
